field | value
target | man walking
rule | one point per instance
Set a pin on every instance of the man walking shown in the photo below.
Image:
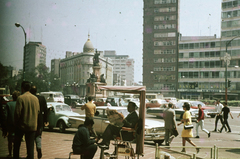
(218, 109)
(25, 119)
(170, 123)
(42, 120)
(200, 121)
(226, 111)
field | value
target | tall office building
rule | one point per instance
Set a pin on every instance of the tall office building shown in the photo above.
(123, 68)
(160, 46)
(35, 54)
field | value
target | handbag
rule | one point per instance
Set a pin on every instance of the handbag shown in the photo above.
(175, 132)
(188, 126)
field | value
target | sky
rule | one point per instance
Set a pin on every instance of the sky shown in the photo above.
(63, 25)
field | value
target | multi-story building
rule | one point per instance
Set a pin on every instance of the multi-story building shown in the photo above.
(160, 46)
(55, 65)
(202, 69)
(35, 54)
(76, 68)
(123, 68)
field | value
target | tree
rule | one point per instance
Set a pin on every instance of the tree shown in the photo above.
(3, 77)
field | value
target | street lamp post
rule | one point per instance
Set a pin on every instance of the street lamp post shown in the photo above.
(227, 59)
(24, 50)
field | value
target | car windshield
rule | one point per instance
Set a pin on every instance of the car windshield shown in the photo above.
(62, 108)
(58, 95)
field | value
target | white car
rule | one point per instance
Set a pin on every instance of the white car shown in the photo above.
(154, 130)
(58, 115)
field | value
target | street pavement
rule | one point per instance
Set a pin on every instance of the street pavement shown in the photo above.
(56, 145)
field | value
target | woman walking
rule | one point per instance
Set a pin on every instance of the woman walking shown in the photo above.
(187, 133)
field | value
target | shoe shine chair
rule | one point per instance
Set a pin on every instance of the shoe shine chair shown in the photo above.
(123, 144)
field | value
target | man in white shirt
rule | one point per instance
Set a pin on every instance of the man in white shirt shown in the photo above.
(218, 109)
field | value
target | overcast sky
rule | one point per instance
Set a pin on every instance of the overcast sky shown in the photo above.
(63, 25)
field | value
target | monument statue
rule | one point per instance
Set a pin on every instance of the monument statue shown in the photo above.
(96, 59)
(102, 78)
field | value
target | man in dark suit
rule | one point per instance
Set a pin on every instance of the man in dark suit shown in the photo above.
(170, 123)
(42, 120)
(25, 120)
(130, 121)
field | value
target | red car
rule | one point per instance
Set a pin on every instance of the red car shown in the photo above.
(194, 105)
(156, 103)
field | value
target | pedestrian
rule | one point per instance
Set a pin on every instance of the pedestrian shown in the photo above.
(42, 120)
(226, 111)
(90, 110)
(170, 123)
(187, 133)
(218, 110)
(10, 108)
(82, 144)
(25, 120)
(200, 121)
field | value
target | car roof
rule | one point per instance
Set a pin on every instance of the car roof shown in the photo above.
(112, 108)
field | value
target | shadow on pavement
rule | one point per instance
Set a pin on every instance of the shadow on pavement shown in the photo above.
(236, 151)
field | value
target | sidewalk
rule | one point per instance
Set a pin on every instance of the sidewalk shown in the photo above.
(57, 145)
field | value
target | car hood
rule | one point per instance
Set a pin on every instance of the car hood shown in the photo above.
(68, 113)
(149, 123)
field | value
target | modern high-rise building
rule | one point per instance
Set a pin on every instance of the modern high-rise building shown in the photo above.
(160, 46)
(55, 65)
(123, 68)
(35, 55)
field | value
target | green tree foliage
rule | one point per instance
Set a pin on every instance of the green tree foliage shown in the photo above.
(3, 77)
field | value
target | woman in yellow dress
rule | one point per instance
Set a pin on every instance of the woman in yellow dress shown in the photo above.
(187, 133)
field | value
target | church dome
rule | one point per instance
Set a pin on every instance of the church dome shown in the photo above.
(88, 46)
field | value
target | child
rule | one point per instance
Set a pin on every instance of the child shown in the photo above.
(225, 111)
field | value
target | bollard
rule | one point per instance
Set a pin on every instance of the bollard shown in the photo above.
(214, 150)
(156, 152)
(194, 156)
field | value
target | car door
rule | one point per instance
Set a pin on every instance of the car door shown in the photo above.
(51, 116)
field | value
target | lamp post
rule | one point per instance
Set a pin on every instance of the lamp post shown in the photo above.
(24, 51)
(227, 59)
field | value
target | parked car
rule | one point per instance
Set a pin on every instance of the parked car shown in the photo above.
(58, 115)
(52, 96)
(100, 101)
(114, 101)
(178, 111)
(154, 130)
(156, 103)
(208, 110)
(172, 100)
(73, 100)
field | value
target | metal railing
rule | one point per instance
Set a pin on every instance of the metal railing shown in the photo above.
(214, 151)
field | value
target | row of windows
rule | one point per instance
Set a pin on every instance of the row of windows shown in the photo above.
(200, 64)
(230, 4)
(164, 86)
(227, 24)
(166, 26)
(204, 85)
(164, 60)
(163, 18)
(230, 14)
(164, 43)
(169, 9)
(160, 35)
(210, 74)
(164, 68)
(164, 77)
(199, 54)
(230, 33)
(164, 1)
(164, 51)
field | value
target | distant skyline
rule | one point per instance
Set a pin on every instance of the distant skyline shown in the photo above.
(113, 25)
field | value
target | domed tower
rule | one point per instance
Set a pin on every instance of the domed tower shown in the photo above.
(88, 46)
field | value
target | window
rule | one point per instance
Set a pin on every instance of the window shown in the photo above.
(180, 55)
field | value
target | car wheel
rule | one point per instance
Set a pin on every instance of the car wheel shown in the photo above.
(158, 141)
(62, 126)
(212, 116)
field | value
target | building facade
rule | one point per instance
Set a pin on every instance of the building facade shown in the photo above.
(75, 69)
(123, 68)
(160, 46)
(35, 55)
(202, 69)
(55, 65)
